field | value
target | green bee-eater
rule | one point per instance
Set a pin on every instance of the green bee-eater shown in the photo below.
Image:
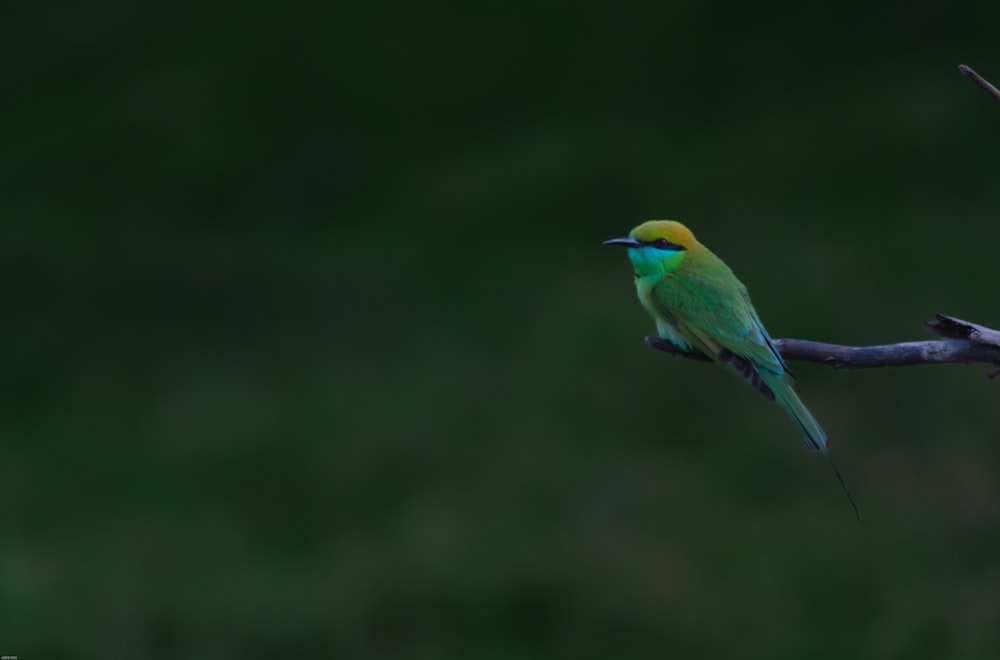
(703, 310)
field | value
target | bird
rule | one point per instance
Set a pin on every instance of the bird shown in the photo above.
(703, 311)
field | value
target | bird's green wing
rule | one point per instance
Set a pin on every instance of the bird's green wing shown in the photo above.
(711, 301)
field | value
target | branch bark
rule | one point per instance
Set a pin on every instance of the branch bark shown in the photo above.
(962, 343)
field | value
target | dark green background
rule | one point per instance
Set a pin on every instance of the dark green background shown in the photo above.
(311, 348)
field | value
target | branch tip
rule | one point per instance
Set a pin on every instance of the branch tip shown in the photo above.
(979, 80)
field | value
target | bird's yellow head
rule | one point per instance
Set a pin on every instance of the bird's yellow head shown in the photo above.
(657, 247)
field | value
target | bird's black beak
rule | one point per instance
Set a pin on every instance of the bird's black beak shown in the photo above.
(627, 241)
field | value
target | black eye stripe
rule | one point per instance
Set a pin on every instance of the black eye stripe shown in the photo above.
(664, 244)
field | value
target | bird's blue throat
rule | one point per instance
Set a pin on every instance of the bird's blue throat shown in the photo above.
(649, 262)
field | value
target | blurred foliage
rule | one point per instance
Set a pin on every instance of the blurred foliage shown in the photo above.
(312, 349)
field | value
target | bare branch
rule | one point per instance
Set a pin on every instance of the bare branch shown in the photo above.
(906, 354)
(964, 343)
(979, 80)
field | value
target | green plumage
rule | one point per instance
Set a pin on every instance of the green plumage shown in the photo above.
(706, 304)
(698, 303)
(700, 306)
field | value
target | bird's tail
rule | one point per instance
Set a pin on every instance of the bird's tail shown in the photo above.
(812, 432)
(785, 396)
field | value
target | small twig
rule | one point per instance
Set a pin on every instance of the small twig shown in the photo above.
(964, 343)
(979, 80)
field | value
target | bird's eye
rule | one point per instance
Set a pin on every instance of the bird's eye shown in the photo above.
(661, 243)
